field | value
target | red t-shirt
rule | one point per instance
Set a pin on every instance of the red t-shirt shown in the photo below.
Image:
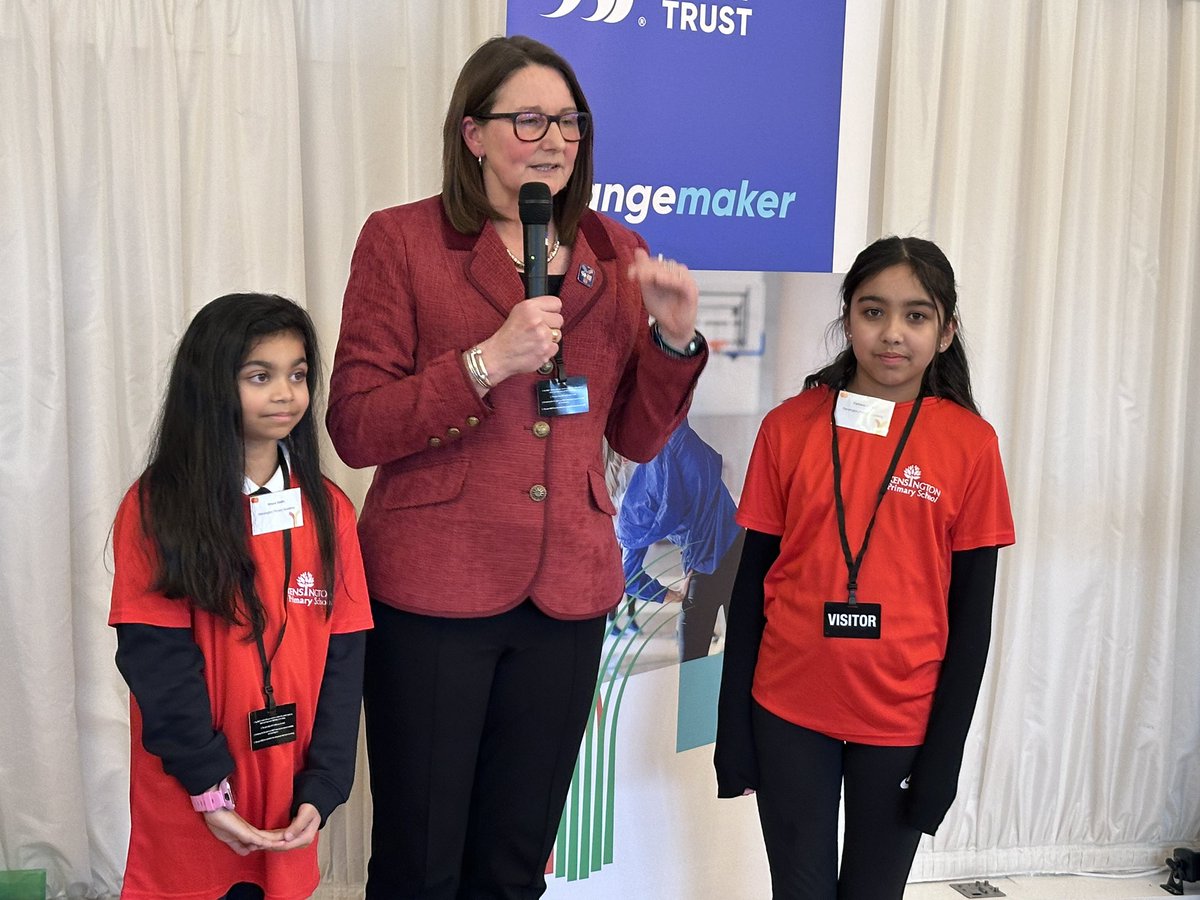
(948, 493)
(172, 854)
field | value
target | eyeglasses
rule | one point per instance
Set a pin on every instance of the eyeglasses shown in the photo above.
(532, 126)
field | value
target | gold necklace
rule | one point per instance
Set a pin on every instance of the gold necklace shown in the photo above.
(549, 256)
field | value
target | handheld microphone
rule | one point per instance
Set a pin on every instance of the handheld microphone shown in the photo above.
(558, 395)
(535, 206)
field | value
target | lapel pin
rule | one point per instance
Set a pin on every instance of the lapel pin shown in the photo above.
(586, 275)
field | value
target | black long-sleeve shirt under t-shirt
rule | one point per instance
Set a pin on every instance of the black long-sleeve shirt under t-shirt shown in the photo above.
(164, 669)
(933, 782)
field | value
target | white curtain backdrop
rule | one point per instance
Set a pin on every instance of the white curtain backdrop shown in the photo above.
(157, 153)
(1053, 150)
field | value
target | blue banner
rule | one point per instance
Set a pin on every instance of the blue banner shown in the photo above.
(716, 124)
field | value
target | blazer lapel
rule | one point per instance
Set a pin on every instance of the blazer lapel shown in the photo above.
(584, 281)
(493, 274)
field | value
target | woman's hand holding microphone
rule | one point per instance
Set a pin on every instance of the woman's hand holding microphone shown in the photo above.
(526, 341)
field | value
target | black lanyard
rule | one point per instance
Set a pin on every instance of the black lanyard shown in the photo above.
(268, 691)
(853, 563)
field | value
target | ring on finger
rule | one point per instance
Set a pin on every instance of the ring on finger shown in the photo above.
(555, 335)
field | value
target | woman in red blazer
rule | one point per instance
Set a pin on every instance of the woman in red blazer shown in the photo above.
(487, 533)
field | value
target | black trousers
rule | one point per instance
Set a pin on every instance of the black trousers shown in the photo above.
(706, 595)
(243, 890)
(801, 774)
(473, 728)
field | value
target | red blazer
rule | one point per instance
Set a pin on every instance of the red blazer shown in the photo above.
(478, 504)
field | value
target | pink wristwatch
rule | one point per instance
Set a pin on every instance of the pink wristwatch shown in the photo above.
(211, 801)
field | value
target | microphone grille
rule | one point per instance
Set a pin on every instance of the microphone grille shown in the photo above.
(535, 204)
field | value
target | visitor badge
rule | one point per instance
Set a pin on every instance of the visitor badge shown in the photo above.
(853, 620)
(276, 511)
(870, 415)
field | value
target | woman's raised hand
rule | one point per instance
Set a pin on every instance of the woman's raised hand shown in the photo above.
(670, 294)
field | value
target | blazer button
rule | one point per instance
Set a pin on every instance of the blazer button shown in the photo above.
(472, 421)
(546, 368)
(453, 432)
(541, 429)
(537, 493)
(435, 442)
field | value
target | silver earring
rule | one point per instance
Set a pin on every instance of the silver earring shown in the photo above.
(480, 158)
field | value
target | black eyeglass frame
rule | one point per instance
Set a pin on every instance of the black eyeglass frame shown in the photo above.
(584, 119)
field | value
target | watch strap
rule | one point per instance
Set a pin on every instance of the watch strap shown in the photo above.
(210, 801)
(695, 345)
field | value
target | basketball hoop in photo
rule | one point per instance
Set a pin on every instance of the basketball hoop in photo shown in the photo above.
(730, 313)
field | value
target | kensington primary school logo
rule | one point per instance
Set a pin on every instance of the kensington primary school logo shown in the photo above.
(305, 593)
(606, 10)
(911, 485)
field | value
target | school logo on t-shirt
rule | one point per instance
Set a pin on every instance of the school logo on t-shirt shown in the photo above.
(305, 594)
(911, 485)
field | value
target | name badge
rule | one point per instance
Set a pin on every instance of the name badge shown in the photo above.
(562, 398)
(270, 727)
(859, 412)
(275, 511)
(863, 620)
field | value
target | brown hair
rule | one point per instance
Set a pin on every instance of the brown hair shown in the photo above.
(463, 195)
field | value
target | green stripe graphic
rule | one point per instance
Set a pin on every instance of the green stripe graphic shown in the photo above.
(586, 832)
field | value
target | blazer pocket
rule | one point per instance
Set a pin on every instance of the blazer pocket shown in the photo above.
(600, 493)
(426, 485)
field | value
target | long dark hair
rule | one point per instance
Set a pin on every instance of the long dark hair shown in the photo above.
(193, 508)
(464, 197)
(947, 375)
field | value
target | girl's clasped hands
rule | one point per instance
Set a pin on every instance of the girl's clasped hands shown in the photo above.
(243, 838)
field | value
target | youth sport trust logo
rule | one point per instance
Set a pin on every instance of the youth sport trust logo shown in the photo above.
(678, 15)
(305, 594)
(606, 10)
(910, 484)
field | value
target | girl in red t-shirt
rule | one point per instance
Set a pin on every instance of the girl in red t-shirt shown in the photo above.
(240, 608)
(875, 504)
